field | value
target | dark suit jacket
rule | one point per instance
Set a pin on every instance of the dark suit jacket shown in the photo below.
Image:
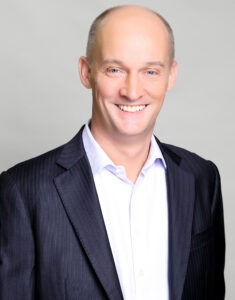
(53, 241)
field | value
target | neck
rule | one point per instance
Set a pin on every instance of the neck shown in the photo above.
(130, 152)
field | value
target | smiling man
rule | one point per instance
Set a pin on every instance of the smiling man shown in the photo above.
(129, 67)
(114, 213)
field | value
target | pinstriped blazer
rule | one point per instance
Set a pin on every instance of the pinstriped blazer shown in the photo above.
(53, 241)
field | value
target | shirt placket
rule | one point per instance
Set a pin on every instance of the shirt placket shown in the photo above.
(137, 241)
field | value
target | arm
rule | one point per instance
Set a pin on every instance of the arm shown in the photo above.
(17, 272)
(219, 241)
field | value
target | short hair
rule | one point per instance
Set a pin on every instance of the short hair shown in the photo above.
(96, 24)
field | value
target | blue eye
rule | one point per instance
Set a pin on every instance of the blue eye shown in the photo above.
(151, 72)
(113, 70)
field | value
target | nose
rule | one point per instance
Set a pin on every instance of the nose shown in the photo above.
(132, 88)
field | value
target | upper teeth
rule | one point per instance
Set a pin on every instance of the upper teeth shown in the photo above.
(131, 108)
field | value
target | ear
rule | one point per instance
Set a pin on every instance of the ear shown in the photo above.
(172, 75)
(84, 72)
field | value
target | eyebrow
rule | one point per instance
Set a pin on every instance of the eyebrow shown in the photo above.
(119, 62)
(156, 63)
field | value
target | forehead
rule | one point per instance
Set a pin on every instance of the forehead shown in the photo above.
(132, 32)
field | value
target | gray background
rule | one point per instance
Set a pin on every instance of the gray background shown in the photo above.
(43, 104)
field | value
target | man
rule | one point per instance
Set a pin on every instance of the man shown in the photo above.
(114, 213)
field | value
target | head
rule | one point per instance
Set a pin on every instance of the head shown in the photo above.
(129, 67)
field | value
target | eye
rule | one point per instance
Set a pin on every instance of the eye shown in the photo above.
(152, 72)
(114, 72)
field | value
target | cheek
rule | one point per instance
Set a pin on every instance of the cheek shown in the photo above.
(106, 88)
(157, 92)
(157, 88)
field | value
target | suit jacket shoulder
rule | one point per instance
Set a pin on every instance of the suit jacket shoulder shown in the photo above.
(51, 163)
(191, 162)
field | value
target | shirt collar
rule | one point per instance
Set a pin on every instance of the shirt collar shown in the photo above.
(99, 159)
(155, 154)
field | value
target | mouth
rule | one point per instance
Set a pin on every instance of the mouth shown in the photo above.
(132, 108)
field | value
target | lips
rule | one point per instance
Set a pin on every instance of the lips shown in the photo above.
(131, 108)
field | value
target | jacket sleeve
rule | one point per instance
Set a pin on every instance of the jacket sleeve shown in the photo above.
(219, 239)
(17, 271)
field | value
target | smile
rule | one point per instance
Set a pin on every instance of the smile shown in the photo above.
(131, 108)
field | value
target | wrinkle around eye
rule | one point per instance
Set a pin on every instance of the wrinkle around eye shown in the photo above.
(113, 71)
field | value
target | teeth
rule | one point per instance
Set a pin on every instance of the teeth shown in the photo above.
(132, 108)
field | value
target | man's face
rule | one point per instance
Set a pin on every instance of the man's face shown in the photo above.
(130, 74)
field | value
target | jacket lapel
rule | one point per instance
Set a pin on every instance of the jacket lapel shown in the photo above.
(78, 193)
(181, 195)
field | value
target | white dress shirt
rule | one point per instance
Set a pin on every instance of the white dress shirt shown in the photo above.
(136, 220)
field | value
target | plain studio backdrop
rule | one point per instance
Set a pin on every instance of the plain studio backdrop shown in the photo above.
(43, 104)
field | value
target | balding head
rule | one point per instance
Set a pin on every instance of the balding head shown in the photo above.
(137, 16)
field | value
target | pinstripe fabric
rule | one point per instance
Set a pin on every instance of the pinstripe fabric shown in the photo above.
(54, 245)
(197, 242)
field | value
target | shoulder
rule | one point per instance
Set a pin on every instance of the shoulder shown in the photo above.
(28, 173)
(48, 164)
(190, 161)
(204, 173)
